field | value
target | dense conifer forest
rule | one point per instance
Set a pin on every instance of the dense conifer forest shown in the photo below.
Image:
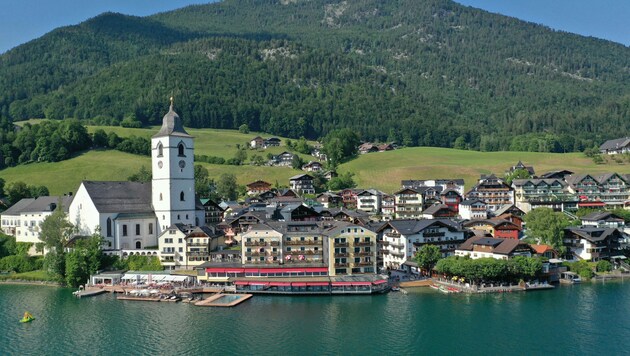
(421, 73)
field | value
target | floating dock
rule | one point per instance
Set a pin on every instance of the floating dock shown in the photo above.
(224, 300)
(88, 293)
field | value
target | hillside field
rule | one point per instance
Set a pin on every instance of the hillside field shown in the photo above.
(383, 170)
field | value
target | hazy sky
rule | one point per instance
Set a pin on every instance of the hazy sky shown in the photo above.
(24, 20)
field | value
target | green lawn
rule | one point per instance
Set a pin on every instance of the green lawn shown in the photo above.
(39, 275)
(381, 170)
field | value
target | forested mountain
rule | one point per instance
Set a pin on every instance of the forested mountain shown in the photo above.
(420, 72)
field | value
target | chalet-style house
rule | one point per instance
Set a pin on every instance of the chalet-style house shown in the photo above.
(500, 249)
(545, 251)
(592, 243)
(551, 193)
(561, 174)
(408, 204)
(302, 184)
(272, 142)
(443, 184)
(597, 191)
(521, 166)
(451, 198)
(369, 201)
(329, 199)
(349, 197)
(438, 211)
(313, 166)
(367, 148)
(616, 146)
(401, 239)
(473, 209)
(185, 246)
(258, 187)
(257, 142)
(493, 191)
(603, 219)
(284, 159)
(213, 212)
(497, 228)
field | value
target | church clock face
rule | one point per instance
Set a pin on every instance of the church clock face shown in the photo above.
(160, 164)
(182, 164)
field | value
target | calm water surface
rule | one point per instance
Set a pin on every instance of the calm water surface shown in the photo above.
(574, 320)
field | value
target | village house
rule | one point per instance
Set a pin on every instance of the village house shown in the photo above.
(257, 142)
(437, 211)
(369, 201)
(24, 219)
(402, 239)
(545, 251)
(493, 191)
(284, 159)
(616, 146)
(272, 142)
(500, 249)
(302, 184)
(258, 187)
(495, 227)
(351, 249)
(312, 166)
(521, 166)
(367, 148)
(605, 190)
(592, 243)
(444, 184)
(329, 199)
(388, 207)
(451, 198)
(408, 204)
(213, 212)
(603, 219)
(534, 193)
(349, 197)
(473, 209)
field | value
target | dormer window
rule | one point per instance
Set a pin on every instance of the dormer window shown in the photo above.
(160, 150)
(180, 150)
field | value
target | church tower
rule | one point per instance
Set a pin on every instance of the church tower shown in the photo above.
(172, 165)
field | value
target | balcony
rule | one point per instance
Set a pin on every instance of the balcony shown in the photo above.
(198, 254)
(302, 243)
(434, 234)
(255, 243)
(398, 245)
(167, 253)
(252, 253)
(275, 243)
(341, 244)
(363, 243)
(397, 254)
(385, 243)
(363, 253)
(392, 234)
(365, 263)
(344, 254)
(341, 265)
(198, 244)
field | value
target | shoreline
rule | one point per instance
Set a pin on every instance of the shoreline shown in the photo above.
(30, 283)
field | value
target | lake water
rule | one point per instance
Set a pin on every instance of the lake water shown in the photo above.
(570, 320)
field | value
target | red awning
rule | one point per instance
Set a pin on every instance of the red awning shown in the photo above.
(241, 283)
(234, 270)
(317, 283)
(271, 270)
(380, 281)
(361, 283)
(592, 203)
(215, 270)
(280, 284)
(251, 270)
(258, 283)
(316, 269)
(298, 284)
(341, 283)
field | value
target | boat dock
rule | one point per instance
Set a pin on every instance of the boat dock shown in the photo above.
(88, 293)
(223, 300)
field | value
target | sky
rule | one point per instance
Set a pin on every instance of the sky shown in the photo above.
(24, 20)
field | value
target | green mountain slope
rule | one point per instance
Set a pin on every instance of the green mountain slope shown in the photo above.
(424, 72)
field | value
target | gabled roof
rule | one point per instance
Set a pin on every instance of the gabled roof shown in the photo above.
(537, 182)
(556, 174)
(301, 177)
(407, 190)
(410, 227)
(615, 144)
(540, 249)
(120, 197)
(506, 208)
(17, 208)
(602, 216)
(258, 182)
(435, 209)
(593, 234)
(471, 202)
(500, 246)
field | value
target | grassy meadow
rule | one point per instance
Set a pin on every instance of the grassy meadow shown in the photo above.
(381, 170)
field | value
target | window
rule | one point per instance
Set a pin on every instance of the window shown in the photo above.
(180, 241)
(109, 227)
(124, 230)
(138, 244)
(160, 149)
(161, 199)
(150, 228)
(181, 196)
(181, 249)
(180, 150)
(137, 229)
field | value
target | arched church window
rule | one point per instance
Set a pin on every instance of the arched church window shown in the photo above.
(160, 149)
(181, 196)
(138, 244)
(109, 227)
(151, 228)
(160, 196)
(180, 150)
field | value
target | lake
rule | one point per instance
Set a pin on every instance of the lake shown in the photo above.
(580, 319)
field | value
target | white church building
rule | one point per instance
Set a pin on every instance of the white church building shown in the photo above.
(131, 215)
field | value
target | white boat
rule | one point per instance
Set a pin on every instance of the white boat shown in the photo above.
(570, 278)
